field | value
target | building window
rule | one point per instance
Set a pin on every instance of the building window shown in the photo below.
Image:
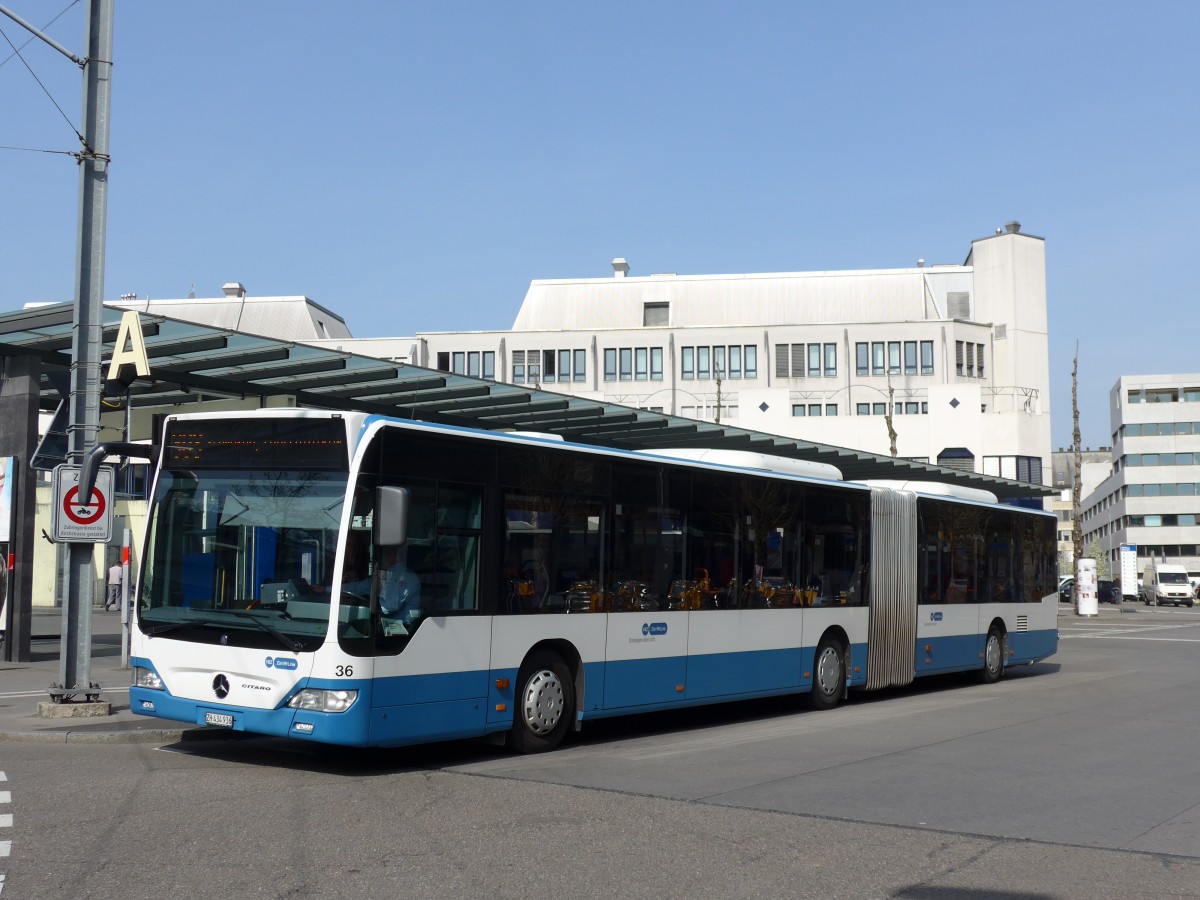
(862, 359)
(814, 409)
(564, 365)
(862, 409)
(718, 362)
(879, 409)
(625, 356)
(702, 357)
(518, 367)
(979, 359)
(877, 364)
(656, 363)
(958, 357)
(926, 357)
(489, 365)
(910, 357)
(473, 363)
(893, 357)
(580, 373)
(735, 361)
(798, 410)
(656, 315)
(610, 365)
(814, 360)
(831, 360)
(641, 364)
(750, 360)
(548, 368)
(831, 409)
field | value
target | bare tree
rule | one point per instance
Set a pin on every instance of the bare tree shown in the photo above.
(717, 372)
(887, 415)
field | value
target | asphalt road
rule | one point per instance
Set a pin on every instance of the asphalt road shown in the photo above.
(1079, 777)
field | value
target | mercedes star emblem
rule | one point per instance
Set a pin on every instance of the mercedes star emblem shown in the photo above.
(221, 687)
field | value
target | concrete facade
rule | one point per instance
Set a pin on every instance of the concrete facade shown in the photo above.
(962, 349)
(1152, 496)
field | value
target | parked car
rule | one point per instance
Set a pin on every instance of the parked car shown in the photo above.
(1106, 591)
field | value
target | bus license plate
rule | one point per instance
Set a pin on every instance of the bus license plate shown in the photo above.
(224, 720)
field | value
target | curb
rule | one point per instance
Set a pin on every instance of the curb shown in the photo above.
(146, 736)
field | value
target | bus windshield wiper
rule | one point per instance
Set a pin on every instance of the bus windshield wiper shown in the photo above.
(173, 626)
(294, 646)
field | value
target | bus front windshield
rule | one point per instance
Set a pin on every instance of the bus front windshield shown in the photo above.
(242, 557)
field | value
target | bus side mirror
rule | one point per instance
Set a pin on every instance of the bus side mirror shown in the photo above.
(391, 516)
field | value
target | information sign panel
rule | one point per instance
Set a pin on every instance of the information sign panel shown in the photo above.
(1129, 575)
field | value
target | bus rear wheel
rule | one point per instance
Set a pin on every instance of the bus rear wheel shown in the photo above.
(993, 657)
(545, 702)
(829, 675)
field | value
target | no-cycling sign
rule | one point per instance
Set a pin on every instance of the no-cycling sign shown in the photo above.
(76, 519)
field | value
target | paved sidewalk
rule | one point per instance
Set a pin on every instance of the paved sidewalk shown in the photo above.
(23, 685)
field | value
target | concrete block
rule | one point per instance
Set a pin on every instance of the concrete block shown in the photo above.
(48, 709)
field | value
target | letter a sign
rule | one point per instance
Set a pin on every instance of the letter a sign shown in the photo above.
(130, 348)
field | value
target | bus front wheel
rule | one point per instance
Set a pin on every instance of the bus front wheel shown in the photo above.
(993, 657)
(545, 703)
(829, 675)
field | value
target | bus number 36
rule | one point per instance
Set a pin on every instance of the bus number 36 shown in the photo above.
(344, 671)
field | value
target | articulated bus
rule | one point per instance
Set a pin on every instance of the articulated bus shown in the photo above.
(358, 580)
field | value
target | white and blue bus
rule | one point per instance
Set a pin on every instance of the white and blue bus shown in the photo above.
(365, 581)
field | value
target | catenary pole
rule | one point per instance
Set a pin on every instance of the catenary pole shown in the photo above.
(86, 343)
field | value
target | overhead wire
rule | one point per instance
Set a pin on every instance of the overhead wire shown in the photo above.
(29, 41)
(17, 53)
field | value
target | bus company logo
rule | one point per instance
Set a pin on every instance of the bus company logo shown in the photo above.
(653, 628)
(282, 662)
(935, 617)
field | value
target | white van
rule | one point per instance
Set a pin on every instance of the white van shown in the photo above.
(1166, 583)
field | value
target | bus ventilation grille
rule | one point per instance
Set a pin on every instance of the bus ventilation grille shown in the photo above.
(1022, 623)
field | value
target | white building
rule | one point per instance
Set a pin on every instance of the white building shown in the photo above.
(1096, 465)
(1152, 498)
(958, 353)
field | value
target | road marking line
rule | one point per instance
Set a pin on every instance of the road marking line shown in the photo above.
(5, 820)
(5, 797)
(1114, 637)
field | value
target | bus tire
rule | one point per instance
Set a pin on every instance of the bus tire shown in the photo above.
(829, 674)
(993, 657)
(545, 702)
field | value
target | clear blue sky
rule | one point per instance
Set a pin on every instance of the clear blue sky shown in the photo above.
(415, 166)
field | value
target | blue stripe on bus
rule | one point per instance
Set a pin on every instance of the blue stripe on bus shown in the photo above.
(404, 710)
(962, 652)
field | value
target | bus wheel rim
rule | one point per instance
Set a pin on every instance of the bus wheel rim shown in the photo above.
(827, 671)
(543, 706)
(993, 653)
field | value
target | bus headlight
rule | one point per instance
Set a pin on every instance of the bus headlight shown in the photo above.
(146, 678)
(321, 700)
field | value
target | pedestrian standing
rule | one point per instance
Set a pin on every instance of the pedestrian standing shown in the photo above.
(113, 599)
